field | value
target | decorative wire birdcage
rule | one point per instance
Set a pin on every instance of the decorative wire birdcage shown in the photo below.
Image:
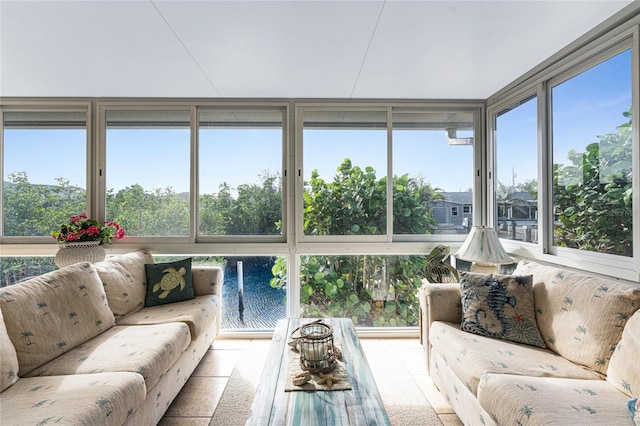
(317, 352)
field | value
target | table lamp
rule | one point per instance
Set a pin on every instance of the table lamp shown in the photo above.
(482, 247)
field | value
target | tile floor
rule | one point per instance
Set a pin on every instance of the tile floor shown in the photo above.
(197, 401)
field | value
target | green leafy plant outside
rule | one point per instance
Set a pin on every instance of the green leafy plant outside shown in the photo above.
(593, 195)
(371, 290)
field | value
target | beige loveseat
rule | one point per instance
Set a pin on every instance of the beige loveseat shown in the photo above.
(586, 375)
(79, 348)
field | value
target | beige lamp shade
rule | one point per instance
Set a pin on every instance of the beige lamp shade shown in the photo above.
(483, 248)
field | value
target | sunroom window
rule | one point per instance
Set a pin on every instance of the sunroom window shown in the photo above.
(516, 183)
(592, 159)
(433, 171)
(148, 171)
(240, 172)
(353, 161)
(44, 170)
(345, 172)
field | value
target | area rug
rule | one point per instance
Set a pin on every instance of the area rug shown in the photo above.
(237, 397)
(404, 402)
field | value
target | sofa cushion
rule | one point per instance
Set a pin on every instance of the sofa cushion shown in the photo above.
(8, 359)
(197, 313)
(50, 314)
(169, 282)
(470, 356)
(581, 317)
(125, 281)
(624, 367)
(81, 399)
(148, 350)
(543, 401)
(500, 306)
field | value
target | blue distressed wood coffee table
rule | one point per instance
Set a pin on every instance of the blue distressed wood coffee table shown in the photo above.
(362, 405)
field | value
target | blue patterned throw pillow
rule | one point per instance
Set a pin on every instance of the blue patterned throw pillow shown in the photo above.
(500, 306)
(634, 407)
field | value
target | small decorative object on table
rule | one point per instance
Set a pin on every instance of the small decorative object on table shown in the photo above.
(320, 359)
(81, 240)
(317, 352)
(302, 378)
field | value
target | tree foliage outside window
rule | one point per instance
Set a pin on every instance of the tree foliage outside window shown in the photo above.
(356, 194)
(593, 195)
(34, 210)
(37, 209)
(257, 209)
(149, 212)
(372, 290)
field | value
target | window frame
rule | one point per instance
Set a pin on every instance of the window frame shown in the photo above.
(520, 98)
(299, 167)
(600, 57)
(25, 105)
(282, 108)
(209, 242)
(101, 166)
(389, 239)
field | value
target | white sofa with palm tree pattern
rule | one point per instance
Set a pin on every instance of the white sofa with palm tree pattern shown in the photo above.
(585, 370)
(79, 347)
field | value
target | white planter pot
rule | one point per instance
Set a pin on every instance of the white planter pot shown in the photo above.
(85, 251)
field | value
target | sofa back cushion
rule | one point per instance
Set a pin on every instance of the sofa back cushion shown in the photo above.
(580, 317)
(50, 314)
(125, 281)
(8, 358)
(624, 367)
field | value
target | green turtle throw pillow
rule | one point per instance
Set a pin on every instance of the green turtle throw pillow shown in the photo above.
(169, 282)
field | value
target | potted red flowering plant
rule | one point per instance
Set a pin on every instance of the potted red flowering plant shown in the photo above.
(80, 229)
(81, 239)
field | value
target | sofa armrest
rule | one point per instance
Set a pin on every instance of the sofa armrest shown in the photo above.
(441, 302)
(207, 280)
(438, 302)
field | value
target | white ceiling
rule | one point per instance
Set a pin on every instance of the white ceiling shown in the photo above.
(283, 49)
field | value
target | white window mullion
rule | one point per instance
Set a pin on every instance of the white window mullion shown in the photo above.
(194, 202)
(545, 169)
(390, 231)
(635, 100)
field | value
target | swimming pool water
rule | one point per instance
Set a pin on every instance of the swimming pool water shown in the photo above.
(263, 305)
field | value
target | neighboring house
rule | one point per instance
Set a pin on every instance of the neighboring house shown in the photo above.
(518, 217)
(518, 209)
(519, 206)
(454, 212)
